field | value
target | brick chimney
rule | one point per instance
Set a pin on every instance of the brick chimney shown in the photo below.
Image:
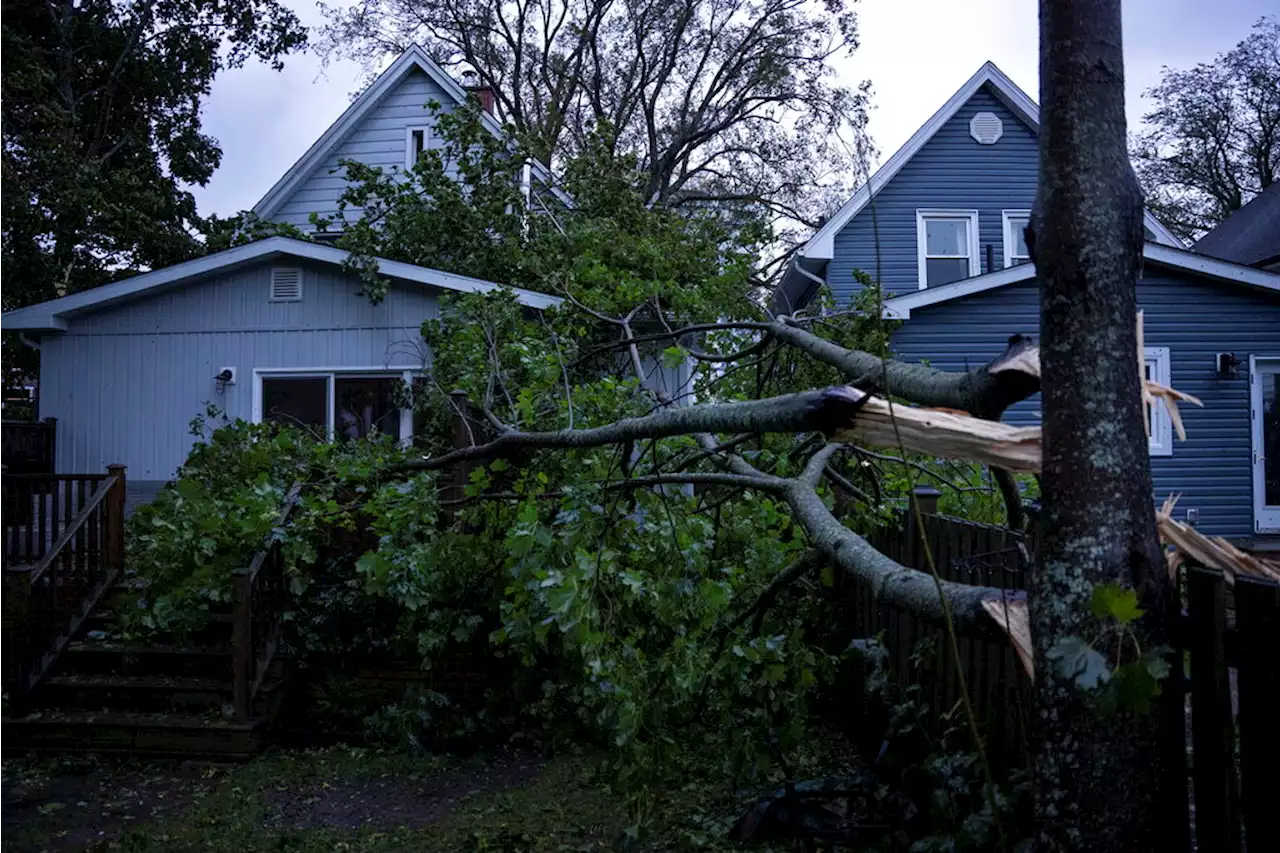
(481, 92)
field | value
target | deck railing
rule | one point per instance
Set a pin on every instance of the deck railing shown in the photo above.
(258, 599)
(38, 508)
(69, 562)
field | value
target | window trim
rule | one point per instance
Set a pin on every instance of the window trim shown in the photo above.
(407, 374)
(1007, 217)
(1160, 442)
(409, 159)
(925, 214)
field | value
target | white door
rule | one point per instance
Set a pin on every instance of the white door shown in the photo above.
(1264, 411)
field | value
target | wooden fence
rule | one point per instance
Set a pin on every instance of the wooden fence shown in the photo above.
(965, 552)
(1230, 639)
(48, 595)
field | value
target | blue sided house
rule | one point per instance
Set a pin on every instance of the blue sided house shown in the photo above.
(940, 226)
(272, 330)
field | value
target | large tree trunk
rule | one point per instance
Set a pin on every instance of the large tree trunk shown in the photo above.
(1097, 781)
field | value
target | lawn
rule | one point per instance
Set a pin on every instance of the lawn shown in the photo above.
(342, 798)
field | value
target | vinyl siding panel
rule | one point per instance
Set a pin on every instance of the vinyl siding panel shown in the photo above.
(1196, 319)
(125, 382)
(378, 141)
(950, 171)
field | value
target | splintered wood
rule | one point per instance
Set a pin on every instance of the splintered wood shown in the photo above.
(1213, 552)
(937, 432)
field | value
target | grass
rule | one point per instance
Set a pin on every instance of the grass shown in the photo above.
(368, 801)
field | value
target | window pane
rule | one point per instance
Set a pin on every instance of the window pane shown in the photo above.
(946, 237)
(945, 270)
(300, 401)
(1018, 236)
(366, 404)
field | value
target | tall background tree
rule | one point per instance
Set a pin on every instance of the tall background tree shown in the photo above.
(102, 133)
(720, 101)
(1212, 141)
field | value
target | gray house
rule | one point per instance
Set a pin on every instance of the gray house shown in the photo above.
(940, 226)
(273, 330)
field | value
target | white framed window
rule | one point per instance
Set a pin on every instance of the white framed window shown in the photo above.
(336, 403)
(1015, 237)
(946, 246)
(417, 139)
(1156, 367)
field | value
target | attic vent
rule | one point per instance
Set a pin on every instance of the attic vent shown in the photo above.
(986, 128)
(286, 284)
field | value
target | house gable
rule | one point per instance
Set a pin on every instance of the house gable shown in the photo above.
(951, 171)
(375, 130)
(954, 177)
(379, 138)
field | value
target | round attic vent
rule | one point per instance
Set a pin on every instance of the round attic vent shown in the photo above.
(986, 128)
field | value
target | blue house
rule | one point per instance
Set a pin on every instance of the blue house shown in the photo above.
(270, 330)
(940, 226)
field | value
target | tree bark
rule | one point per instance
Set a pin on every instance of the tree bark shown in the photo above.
(1097, 781)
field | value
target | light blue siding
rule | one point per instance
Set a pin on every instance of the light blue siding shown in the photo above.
(379, 140)
(1196, 319)
(950, 171)
(124, 382)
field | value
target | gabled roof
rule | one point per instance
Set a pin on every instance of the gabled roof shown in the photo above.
(1251, 235)
(900, 307)
(52, 316)
(415, 58)
(822, 244)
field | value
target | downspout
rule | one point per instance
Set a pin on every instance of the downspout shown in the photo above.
(526, 192)
(795, 265)
(35, 345)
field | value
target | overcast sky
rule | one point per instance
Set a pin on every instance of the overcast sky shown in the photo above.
(915, 52)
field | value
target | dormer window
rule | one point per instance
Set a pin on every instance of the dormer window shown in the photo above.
(946, 246)
(417, 140)
(1015, 237)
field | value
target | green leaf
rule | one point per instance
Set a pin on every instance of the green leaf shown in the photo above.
(1073, 658)
(828, 575)
(1116, 602)
(673, 357)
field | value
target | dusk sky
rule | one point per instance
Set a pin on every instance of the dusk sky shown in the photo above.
(915, 52)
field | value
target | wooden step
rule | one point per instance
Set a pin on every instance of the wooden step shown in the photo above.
(144, 735)
(156, 693)
(102, 657)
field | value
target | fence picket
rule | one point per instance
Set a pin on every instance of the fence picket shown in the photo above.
(1258, 677)
(1211, 725)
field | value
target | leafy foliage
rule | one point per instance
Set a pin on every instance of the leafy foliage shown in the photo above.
(102, 134)
(1133, 681)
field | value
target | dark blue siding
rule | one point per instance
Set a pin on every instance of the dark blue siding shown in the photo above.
(950, 171)
(1194, 318)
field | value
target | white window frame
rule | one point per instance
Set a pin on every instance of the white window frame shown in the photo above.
(331, 398)
(410, 160)
(923, 215)
(1160, 442)
(1266, 517)
(1008, 216)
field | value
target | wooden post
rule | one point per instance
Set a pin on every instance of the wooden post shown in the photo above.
(1258, 674)
(114, 546)
(1211, 724)
(241, 642)
(52, 439)
(926, 497)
